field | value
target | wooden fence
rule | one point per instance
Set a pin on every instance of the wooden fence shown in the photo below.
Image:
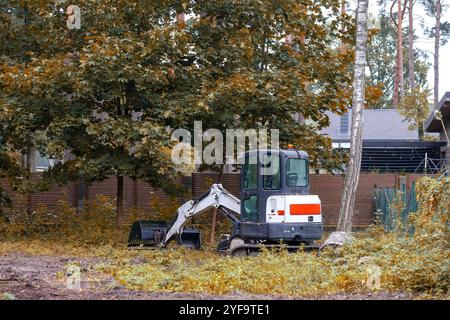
(140, 195)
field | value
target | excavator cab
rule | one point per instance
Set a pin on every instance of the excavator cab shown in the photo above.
(274, 207)
(276, 204)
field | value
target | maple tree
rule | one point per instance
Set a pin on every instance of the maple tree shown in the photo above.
(252, 76)
(104, 98)
(101, 93)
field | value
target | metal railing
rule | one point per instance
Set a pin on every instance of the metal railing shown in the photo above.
(444, 173)
(433, 166)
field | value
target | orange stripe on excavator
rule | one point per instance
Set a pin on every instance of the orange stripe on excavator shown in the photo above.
(304, 209)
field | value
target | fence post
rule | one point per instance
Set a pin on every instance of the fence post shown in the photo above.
(426, 162)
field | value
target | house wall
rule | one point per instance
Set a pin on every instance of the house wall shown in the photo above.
(379, 124)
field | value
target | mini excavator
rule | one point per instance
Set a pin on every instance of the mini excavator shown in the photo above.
(275, 209)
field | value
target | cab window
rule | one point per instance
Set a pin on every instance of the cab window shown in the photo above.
(270, 171)
(297, 172)
(251, 173)
(250, 209)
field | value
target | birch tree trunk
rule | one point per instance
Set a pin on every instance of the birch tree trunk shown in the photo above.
(437, 39)
(352, 176)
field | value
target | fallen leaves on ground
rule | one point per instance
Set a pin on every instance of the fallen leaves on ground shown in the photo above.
(375, 260)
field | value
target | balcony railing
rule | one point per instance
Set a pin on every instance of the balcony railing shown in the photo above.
(433, 166)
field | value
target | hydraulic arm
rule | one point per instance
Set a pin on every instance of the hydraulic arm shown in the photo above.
(158, 233)
(216, 197)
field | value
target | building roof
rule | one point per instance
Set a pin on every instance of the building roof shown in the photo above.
(434, 125)
(379, 124)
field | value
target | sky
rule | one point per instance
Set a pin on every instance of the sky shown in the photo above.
(427, 44)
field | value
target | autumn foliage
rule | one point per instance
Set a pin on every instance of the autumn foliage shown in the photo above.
(415, 263)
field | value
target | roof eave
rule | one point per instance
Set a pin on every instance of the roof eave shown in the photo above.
(430, 124)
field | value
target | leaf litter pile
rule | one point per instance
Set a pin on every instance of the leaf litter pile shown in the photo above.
(398, 261)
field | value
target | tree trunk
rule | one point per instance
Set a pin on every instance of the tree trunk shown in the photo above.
(421, 131)
(398, 78)
(411, 71)
(135, 193)
(437, 39)
(352, 176)
(396, 68)
(212, 234)
(119, 202)
(30, 168)
(412, 81)
(400, 49)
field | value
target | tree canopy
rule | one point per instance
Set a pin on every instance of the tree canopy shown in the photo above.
(105, 97)
(381, 52)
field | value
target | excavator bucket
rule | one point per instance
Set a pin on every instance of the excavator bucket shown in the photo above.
(147, 233)
(190, 238)
(150, 234)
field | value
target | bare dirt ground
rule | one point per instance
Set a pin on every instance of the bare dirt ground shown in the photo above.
(45, 277)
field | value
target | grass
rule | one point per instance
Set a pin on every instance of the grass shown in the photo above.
(404, 267)
(397, 261)
(7, 296)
